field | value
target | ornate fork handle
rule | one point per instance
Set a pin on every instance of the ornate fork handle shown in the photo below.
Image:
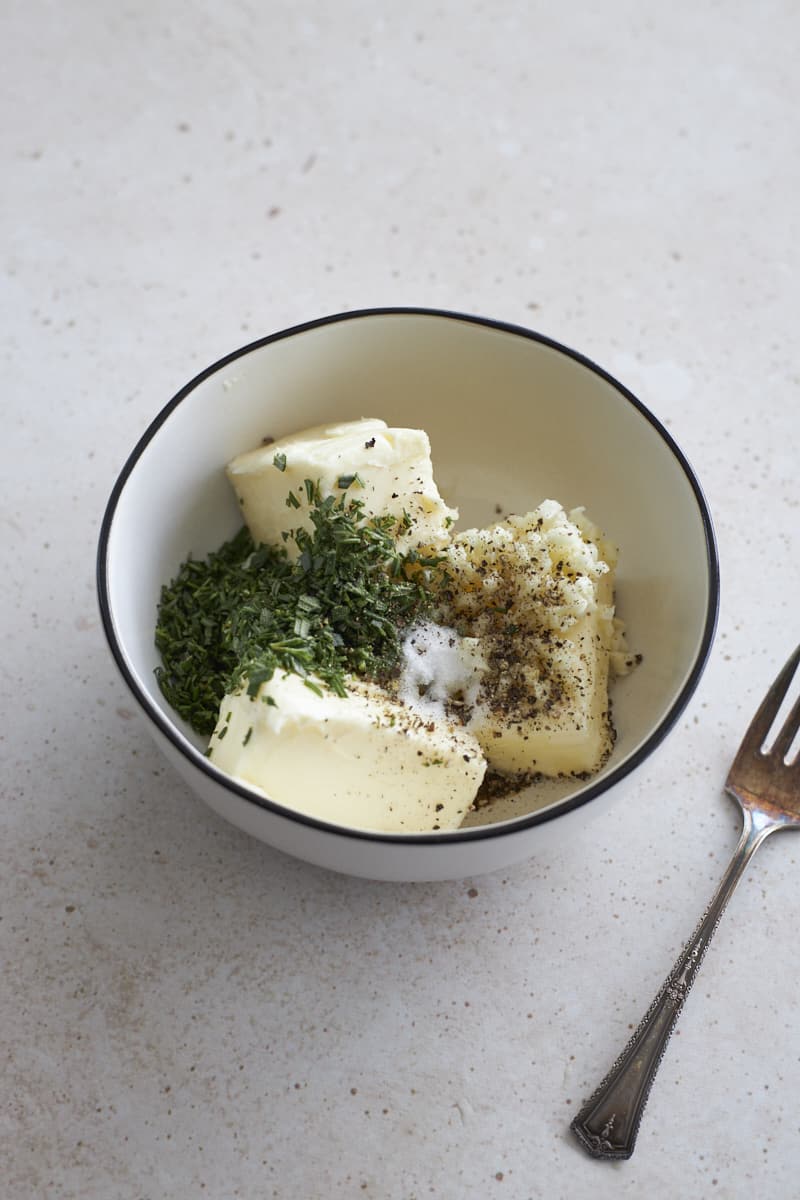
(608, 1123)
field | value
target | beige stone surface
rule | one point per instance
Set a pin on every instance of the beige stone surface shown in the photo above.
(183, 1011)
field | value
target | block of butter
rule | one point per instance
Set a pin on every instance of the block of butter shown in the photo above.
(365, 761)
(393, 473)
(536, 591)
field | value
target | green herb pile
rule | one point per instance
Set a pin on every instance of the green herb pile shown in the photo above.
(247, 610)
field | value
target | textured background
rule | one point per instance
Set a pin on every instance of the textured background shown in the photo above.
(186, 1012)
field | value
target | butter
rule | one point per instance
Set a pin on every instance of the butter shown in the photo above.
(393, 466)
(511, 675)
(536, 592)
(365, 761)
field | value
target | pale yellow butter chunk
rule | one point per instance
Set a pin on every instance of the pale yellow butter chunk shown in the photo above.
(393, 466)
(559, 728)
(365, 760)
(537, 591)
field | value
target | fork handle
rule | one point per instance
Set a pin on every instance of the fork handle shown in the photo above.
(608, 1123)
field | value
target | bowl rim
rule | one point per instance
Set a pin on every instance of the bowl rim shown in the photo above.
(512, 825)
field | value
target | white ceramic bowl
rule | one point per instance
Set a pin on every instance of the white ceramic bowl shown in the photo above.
(513, 418)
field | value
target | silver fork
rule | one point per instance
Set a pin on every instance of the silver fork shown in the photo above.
(767, 789)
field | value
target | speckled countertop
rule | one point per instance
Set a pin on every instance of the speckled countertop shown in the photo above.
(186, 1012)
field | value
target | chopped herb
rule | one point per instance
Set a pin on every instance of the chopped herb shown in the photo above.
(247, 736)
(346, 481)
(247, 610)
(279, 461)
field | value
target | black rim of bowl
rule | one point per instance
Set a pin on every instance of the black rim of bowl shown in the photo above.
(501, 829)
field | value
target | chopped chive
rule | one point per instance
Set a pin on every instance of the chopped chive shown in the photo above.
(346, 481)
(338, 607)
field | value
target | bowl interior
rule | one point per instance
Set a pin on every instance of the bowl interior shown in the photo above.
(512, 419)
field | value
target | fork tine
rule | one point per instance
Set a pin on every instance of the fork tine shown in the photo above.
(787, 732)
(761, 723)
